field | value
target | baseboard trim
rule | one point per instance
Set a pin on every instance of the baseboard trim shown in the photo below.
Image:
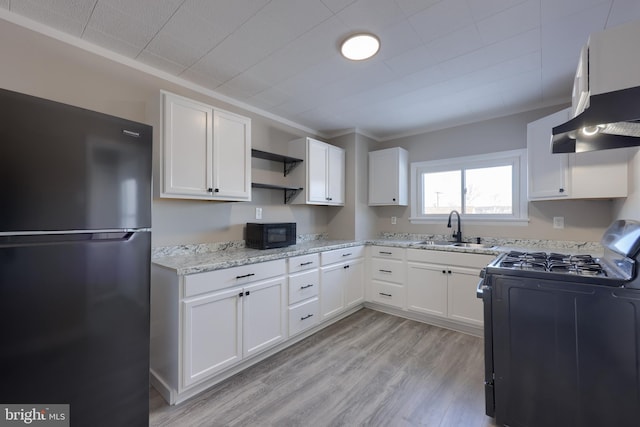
(476, 331)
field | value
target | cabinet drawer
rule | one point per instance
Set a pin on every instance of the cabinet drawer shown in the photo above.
(303, 262)
(303, 285)
(303, 316)
(450, 258)
(387, 270)
(388, 293)
(387, 252)
(343, 254)
(195, 284)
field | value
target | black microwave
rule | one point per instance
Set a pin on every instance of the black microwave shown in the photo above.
(270, 235)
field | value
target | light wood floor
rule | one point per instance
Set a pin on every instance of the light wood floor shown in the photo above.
(370, 369)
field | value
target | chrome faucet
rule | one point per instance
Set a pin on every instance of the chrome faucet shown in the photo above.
(457, 235)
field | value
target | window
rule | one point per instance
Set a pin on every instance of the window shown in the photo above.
(483, 188)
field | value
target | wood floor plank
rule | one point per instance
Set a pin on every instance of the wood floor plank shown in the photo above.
(369, 369)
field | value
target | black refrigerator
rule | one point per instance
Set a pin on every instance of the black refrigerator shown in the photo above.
(75, 243)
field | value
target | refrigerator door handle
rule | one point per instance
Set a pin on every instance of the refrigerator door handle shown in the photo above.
(10, 240)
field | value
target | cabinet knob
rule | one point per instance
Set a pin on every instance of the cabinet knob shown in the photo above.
(217, 190)
(561, 190)
(449, 272)
(444, 272)
(394, 199)
(209, 190)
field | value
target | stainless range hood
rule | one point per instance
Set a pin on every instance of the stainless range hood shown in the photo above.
(611, 121)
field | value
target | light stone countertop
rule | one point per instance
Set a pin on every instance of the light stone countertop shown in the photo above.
(191, 259)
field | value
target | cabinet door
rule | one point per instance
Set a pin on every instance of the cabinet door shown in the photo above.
(187, 147)
(387, 177)
(463, 305)
(332, 286)
(336, 175)
(264, 315)
(354, 283)
(231, 156)
(548, 173)
(212, 336)
(317, 171)
(427, 289)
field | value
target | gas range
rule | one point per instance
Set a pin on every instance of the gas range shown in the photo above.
(610, 269)
(561, 334)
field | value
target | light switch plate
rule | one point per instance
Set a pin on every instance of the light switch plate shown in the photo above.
(258, 213)
(394, 220)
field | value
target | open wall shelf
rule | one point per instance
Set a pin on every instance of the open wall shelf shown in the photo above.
(289, 192)
(288, 162)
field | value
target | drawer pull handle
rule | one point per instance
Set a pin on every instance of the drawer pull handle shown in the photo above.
(306, 286)
(346, 266)
(306, 317)
(385, 271)
(385, 253)
(302, 264)
(385, 295)
(245, 275)
(349, 254)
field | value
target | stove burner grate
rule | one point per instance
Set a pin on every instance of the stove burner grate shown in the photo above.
(554, 262)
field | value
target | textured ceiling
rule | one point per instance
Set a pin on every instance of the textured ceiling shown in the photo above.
(441, 63)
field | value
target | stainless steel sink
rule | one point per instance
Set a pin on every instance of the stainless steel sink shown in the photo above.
(436, 243)
(472, 245)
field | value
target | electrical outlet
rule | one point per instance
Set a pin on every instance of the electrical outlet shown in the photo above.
(258, 213)
(394, 220)
(558, 222)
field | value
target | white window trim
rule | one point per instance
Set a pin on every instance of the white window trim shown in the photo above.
(518, 158)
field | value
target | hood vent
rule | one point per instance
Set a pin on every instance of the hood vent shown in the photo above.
(611, 121)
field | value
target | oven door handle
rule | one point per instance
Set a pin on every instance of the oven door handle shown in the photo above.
(480, 289)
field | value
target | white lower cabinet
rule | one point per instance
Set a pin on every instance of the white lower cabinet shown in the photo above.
(304, 286)
(443, 284)
(208, 349)
(222, 328)
(388, 276)
(341, 280)
(205, 324)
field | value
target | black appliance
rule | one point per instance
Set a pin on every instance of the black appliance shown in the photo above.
(611, 121)
(75, 249)
(270, 235)
(562, 335)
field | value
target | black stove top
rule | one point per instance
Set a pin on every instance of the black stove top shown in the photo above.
(617, 266)
(553, 262)
(563, 267)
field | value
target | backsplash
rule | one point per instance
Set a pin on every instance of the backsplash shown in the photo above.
(505, 242)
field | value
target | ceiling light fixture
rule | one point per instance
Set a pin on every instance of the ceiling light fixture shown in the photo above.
(360, 46)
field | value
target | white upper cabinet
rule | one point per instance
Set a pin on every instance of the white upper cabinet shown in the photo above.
(206, 152)
(592, 175)
(548, 173)
(388, 177)
(322, 174)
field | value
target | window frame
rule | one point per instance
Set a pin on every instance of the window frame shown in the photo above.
(516, 158)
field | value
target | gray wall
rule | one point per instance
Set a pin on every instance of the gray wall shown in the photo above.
(506, 133)
(41, 66)
(38, 65)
